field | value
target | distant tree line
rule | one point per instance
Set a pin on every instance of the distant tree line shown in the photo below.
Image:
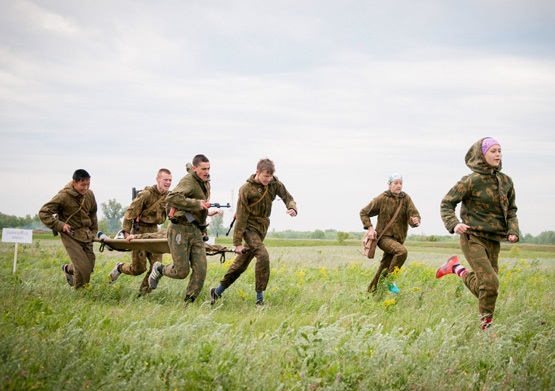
(113, 211)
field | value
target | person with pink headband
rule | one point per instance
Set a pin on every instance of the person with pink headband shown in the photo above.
(488, 214)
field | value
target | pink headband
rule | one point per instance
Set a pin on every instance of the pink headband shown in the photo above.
(487, 143)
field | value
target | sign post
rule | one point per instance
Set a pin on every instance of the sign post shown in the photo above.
(13, 235)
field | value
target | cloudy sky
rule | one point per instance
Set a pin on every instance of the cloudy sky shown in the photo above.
(338, 93)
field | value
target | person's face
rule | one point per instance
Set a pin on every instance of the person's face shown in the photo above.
(202, 170)
(396, 186)
(263, 177)
(164, 182)
(493, 156)
(82, 187)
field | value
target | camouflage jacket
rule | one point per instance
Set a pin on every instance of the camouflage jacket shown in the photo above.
(149, 206)
(70, 207)
(254, 206)
(488, 200)
(384, 206)
(186, 198)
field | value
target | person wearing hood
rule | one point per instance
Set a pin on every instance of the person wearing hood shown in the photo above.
(488, 216)
(254, 207)
(72, 213)
(188, 204)
(396, 207)
(146, 212)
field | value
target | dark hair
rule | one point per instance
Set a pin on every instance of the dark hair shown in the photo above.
(266, 165)
(200, 159)
(80, 175)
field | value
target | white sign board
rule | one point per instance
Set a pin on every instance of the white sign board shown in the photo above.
(13, 235)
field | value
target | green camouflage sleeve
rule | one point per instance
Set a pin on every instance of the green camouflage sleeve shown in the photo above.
(372, 209)
(512, 220)
(451, 200)
(134, 210)
(241, 216)
(412, 211)
(286, 197)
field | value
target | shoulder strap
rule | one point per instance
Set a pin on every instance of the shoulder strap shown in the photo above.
(151, 208)
(392, 219)
(260, 199)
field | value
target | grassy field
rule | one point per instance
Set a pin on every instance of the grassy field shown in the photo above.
(319, 329)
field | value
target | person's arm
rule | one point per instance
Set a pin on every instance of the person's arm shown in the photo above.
(94, 218)
(241, 217)
(48, 214)
(449, 203)
(414, 218)
(512, 221)
(133, 211)
(372, 209)
(180, 199)
(287, 199)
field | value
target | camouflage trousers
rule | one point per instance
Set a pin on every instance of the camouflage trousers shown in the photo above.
(394, 255)
(483, 256)
(256, 250)
(188, 253)
(82, 260)
(137, 265)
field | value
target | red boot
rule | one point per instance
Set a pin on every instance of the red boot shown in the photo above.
(448, 267)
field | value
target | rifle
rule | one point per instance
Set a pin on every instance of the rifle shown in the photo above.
(173, 209)
(135, 229)
(231, 225)
(217, 205)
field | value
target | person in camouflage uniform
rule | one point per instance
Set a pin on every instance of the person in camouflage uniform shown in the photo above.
(254, 207)
(187, 229)
(72, 212)
(391, 241)
(488, 215)
(146, 212)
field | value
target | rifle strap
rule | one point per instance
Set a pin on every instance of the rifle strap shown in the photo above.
(74, 213)
(392, 220)
(151, 208)
(260, 199)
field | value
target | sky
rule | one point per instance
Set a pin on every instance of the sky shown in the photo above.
(339, 94)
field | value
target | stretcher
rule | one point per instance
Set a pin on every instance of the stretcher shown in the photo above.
(155, 246)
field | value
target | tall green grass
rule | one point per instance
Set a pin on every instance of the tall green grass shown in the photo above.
(319, 330)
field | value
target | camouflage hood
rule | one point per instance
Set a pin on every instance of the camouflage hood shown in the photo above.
(487, 199)
(475, 160)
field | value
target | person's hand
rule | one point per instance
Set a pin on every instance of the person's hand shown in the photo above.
(371, 233)
(239, 249)
(215, 212)
(129, 237)
(204, 204)
(291, 212)
(513, 238)
(415, 221)
(461, 228)
(67, 229)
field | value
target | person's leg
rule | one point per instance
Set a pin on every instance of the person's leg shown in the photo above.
(198, 262)
(398, 253)
(82, 260)
(384, 264)
(178, 242)
(152, 258)
(482, 281)
(137, 265)
(180, 238)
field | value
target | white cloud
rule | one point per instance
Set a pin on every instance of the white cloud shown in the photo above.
(339, 95)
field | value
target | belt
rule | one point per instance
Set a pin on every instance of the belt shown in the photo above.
(193, 223)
